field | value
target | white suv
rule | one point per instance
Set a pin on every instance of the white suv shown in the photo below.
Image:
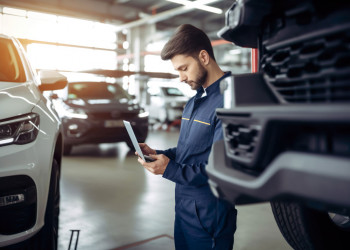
(30, 152)
(166, 102)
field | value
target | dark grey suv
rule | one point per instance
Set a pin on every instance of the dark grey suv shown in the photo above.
(93, 113)
(287, 127)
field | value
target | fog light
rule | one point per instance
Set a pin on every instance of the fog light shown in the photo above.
(73, 127)
(11, 199)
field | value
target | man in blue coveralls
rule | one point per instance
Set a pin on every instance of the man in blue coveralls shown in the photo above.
(201, 220)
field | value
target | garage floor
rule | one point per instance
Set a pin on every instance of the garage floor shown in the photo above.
(115, 204)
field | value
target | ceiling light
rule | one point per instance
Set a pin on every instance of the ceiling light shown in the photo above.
(125, 45)
(235, 52)
(200, 4)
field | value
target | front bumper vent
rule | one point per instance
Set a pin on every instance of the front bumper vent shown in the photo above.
(241, 140)
(16, 217)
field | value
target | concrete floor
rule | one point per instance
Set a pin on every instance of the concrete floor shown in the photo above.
(114, 202)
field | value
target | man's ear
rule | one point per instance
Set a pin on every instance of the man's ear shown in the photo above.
(204, 57)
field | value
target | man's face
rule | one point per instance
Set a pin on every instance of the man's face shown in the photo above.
(190, 71)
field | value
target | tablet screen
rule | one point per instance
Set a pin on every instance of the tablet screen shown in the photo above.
(135, 142)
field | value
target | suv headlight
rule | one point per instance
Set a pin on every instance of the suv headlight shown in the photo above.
(76, 113)
(19, 130)
(143, 113)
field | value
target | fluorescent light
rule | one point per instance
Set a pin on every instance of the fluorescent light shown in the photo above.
(235, 52)
(199, 5)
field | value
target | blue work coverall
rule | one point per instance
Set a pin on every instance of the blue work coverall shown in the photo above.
(201, 220)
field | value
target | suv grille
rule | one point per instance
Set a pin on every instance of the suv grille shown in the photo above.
(312, 70)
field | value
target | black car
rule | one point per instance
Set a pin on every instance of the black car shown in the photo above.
(93, 112)
(287, 126)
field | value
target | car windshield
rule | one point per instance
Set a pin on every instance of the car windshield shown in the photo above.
(173, 92)
(96, 90)
(11, 69)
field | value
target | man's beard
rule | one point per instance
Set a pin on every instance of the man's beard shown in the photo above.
(201, 78)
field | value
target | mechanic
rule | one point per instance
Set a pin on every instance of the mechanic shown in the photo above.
(201, 220)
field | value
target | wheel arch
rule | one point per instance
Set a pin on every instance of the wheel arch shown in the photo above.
(58, 149)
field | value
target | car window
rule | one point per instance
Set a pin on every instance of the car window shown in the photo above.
(173, 92)
(11, 68)
(96, 91)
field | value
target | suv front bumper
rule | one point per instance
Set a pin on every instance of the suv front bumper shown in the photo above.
(322, 180)
(283, 152)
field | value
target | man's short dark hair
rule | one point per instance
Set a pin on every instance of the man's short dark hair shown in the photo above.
(187, 40)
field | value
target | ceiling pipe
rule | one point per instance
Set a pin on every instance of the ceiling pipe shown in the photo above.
(160, 17)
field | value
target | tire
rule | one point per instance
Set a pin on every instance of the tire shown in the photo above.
(305, 228)
(67, 149)
(47, 238)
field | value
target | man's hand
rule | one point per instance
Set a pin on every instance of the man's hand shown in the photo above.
(156, 167)
(146, 150)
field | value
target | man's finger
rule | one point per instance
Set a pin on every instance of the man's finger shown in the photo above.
(139, 159)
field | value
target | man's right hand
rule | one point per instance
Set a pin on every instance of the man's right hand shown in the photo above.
(146, 150)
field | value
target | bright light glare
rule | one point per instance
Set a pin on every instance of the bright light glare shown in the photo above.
(125, 82)
(132, 85)
(66, 58)
(58, 29)
(125, 45)
(235, 52)
(5, 141)
(199, 5)
(143, 114)
(13, 11)
(162, 66)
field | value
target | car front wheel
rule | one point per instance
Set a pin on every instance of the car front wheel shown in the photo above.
(47, 238)
(309, 229)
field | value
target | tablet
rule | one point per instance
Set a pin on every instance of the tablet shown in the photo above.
(135, 142)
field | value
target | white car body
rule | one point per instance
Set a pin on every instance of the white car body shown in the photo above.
(165, 107)
(33, 159)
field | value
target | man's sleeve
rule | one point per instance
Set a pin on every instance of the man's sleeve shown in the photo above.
(191, 174)
(218, 134)
(186, 174)
(170, 153)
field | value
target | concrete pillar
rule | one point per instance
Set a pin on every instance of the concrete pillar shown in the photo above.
(138, 39)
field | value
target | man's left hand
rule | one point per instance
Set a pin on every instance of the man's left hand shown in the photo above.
(156, 167)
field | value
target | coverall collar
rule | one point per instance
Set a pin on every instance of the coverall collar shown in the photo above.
(201, 92)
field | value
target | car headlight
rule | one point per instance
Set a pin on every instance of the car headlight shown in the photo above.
(76, 113)
(19, 130)
(143, 113)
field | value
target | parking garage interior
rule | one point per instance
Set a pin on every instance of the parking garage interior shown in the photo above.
(108, 200)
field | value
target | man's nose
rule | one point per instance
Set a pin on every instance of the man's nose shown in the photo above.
(182, 77)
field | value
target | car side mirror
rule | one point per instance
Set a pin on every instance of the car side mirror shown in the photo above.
(52, 80)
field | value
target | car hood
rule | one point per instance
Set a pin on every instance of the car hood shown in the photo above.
(17, 99)
(103, 104)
